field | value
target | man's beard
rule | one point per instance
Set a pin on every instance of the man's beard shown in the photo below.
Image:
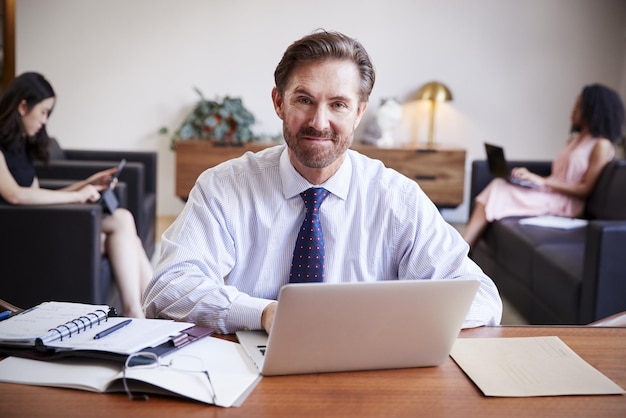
(313, 156)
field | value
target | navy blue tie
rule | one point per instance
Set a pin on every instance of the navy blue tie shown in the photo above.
(308, 254)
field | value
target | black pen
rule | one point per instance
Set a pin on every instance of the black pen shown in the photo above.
(112, 329)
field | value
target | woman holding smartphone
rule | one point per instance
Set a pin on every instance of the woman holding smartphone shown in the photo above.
(24, 110)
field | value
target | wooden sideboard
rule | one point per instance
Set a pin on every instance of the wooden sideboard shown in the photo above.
(193, 157)
(440, 172)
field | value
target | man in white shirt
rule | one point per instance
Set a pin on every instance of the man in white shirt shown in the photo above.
(230, 251)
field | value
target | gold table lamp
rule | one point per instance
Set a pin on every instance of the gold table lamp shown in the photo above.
(434, 92)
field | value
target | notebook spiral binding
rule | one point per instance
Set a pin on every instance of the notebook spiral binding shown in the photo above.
(75, 326)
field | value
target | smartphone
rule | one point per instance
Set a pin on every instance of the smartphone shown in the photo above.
(108, 200)
(115, 175)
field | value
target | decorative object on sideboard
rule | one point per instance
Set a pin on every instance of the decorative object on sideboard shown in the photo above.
(434, 92)
(388, 116)
(222, 121)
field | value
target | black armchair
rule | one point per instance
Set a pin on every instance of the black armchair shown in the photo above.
(139, 174)
(53, 252)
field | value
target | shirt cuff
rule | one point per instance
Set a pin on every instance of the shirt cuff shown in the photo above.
(245, 313)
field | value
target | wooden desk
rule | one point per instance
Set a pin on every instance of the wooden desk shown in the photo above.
(429, 392)
(440, 172)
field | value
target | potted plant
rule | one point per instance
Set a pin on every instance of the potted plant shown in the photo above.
(223, 122)
(213, 132)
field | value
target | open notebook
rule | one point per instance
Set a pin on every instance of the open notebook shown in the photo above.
(232, 374)
(66, 328)
(331, 327)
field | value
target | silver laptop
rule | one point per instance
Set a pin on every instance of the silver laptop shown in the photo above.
(333, 327)
(498, 166)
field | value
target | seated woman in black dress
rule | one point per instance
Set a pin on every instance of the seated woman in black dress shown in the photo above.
(24, 110)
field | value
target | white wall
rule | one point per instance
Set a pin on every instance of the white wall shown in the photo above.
(124, 68)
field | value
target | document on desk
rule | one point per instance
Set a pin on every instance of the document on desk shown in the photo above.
(529, 366)
(233, 375)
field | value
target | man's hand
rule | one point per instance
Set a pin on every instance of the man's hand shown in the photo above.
(267, 317)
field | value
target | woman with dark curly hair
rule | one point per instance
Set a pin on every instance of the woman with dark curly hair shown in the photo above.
(24, 110)
(597, 122)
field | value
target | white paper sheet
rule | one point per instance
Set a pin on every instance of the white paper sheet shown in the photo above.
(557, 222)
(529, 366)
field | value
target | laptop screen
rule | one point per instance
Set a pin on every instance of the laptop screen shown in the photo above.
(496, 160)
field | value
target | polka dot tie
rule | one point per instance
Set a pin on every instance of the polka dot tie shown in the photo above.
(308, 254)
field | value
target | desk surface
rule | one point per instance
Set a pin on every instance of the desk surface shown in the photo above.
(432, 392)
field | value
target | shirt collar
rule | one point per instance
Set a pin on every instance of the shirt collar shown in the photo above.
(294, 183)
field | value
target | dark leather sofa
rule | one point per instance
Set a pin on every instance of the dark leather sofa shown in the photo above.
(555, 276)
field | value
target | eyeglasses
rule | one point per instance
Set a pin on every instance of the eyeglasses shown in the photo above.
(146, 360)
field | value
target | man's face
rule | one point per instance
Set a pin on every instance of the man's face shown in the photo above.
(320, 110)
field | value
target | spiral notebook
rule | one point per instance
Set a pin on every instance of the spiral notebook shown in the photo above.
(70, 327)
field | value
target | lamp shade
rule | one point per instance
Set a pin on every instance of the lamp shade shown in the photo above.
(434, 91)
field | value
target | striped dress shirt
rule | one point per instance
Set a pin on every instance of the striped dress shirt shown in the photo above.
(229, 252)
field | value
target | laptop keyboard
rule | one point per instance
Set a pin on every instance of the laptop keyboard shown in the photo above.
(519, 182)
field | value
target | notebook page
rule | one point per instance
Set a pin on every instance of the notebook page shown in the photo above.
(24, 328)
(83, 374)
(141, 333)
(232, 374)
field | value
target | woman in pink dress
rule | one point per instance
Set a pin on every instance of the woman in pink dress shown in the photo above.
(597, 121)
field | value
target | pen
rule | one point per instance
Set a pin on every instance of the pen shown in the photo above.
(5, 315)
(112, 329)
